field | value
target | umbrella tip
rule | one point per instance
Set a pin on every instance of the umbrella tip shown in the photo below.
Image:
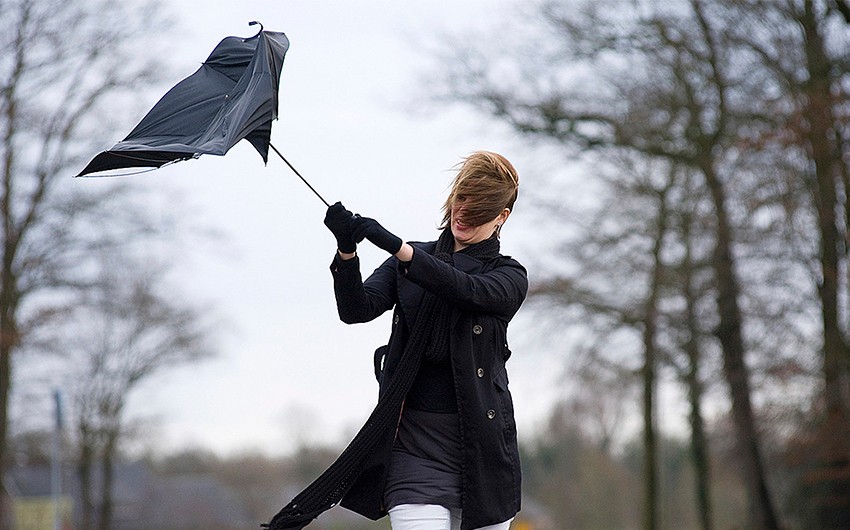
(255, 23)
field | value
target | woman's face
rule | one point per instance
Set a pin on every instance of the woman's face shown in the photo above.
(465, 234)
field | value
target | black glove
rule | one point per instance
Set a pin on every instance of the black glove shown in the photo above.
(367, 228)
(338, 220)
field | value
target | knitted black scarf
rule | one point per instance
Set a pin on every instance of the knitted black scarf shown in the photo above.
(429, 338)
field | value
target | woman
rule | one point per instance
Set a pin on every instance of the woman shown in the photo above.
(451, 462)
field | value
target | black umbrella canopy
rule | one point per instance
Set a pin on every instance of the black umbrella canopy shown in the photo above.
(232, 96)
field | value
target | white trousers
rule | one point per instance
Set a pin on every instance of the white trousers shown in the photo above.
(431, 517)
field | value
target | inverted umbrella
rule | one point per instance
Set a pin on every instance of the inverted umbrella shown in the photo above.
(233, 95)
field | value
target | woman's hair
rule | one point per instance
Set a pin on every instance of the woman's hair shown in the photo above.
(486, 184)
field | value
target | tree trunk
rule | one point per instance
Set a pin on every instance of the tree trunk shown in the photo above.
(652, 518)
(107, 481)
(819, 115)
(8, 328)
(650, 443)
(729, 332)
(5, 384)
(830, 478)
(84, 472)
(8, 342)
(699, 441)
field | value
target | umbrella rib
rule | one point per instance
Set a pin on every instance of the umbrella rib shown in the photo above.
(299, 175)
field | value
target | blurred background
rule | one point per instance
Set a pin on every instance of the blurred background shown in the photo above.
(170, 354)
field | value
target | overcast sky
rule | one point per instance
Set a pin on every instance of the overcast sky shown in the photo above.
(288, 369)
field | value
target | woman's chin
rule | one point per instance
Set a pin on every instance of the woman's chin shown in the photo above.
(461, 236)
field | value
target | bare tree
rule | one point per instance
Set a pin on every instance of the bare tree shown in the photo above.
(624, 279)
(664, 84)
(61, 61)
(125, 333)
(820, 135)
(806, 58)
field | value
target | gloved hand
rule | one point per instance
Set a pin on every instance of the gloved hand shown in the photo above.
(368, 228)
(338, 221)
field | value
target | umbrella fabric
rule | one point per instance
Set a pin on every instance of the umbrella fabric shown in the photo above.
(232, 96)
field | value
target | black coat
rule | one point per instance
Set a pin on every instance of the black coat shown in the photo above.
(484, 296)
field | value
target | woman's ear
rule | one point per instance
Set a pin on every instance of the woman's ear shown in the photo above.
(504, 216)
(500, 220)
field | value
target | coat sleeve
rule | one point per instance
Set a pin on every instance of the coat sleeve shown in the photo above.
(499, 291)
(358, 301)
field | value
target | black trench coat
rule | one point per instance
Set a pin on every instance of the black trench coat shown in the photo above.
(484, 297)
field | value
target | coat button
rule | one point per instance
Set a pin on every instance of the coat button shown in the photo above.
(477, 329)
(480, 372)
(395, 319)
(491, 414)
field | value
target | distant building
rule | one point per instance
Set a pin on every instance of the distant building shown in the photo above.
(38, 513)
(141, 501)
(33, 506)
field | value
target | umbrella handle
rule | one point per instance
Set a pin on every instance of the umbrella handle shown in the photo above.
(299, 175)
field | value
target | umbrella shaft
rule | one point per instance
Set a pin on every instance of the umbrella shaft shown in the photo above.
(299, 175)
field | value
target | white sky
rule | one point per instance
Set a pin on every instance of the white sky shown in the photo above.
(288, 369)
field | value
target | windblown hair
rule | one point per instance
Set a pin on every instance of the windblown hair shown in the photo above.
(486, 184)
